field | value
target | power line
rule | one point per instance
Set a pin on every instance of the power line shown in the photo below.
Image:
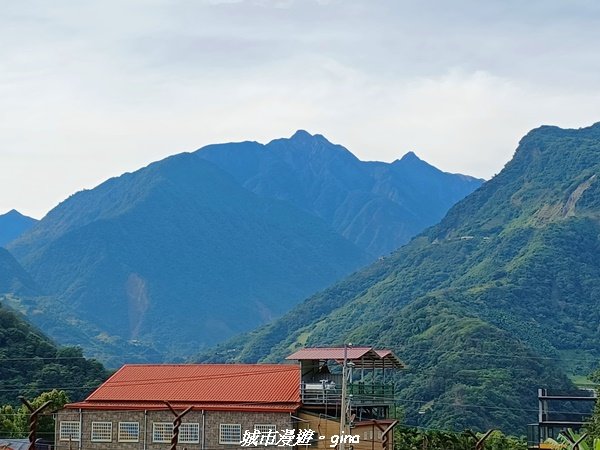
(442, 352)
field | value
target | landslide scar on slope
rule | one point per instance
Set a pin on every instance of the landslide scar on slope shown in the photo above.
(559, 211)
(569, 207)
(138, 302)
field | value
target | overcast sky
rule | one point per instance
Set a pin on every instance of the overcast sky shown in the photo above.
(89, 90)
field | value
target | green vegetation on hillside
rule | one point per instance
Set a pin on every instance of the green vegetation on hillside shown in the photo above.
(14, 421)
(593, 426)
(31, 364)
(499, 299)
(425, 439)
(176, 256)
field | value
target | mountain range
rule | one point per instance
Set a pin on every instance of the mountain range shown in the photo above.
(190, 250)
(12, 225)
(376, 205)
(500, 298)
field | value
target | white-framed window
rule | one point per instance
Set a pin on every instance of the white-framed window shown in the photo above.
(129, 431)
(189, 433)
(69, 430)
(267, 431)
(101, 432)
(230, 433)
(162, 432)
(265, 427)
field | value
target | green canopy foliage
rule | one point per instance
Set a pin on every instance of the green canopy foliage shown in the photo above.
(593, 425)
(14, 422)
(31, 364)
(425, 439)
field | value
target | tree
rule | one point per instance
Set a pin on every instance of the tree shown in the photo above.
(7, 422)
(14, 422)
(593, 426)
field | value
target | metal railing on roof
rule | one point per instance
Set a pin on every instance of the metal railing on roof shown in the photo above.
(360, 393)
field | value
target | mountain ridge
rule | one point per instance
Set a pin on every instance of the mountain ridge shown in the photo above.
(13, 278)
(376, 205)
(469, 302)
(215, 242)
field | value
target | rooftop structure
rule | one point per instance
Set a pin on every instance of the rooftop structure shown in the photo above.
(370, 388)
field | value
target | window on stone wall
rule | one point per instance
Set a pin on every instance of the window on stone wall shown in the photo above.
(268, 436)
(69, 430)
(129, 431)
(162, 432)
(101, 432)
(264, 427)
(230, 433)
(189, 433)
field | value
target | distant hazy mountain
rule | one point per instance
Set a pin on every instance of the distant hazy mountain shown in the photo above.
(376, 205)
(195, 248)
(13, 278)
(12, 225)
(498, 299)
(178, 254)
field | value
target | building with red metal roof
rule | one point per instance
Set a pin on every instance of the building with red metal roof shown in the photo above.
(135, 408)
(130, 409)
(244, 387)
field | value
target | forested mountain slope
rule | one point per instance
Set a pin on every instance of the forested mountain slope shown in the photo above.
(500, 298)
(155, 264)
(30, 363)
(376, 205)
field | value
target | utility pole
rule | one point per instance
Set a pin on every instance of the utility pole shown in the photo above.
(343, 406)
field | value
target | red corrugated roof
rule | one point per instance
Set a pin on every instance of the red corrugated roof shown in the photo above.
(365, 354)
(221, 386)
(142, 406)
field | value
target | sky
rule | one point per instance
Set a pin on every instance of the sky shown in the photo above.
(90, 90)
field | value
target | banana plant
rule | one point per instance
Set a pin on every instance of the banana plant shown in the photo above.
(565, 441)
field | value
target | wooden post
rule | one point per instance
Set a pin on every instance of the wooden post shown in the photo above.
(385, 434)
(33, 419)
(480, 442)
(177, 424)
(574, 443)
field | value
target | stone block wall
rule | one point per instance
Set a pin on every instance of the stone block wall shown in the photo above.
(209, 426)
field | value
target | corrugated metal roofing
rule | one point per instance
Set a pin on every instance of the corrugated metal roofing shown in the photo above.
(216, 385)
(21, 444)
(369, 355)
(336, 353)
(14, 444)
(142, 406)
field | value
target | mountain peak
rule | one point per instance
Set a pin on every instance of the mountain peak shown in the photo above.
(410, 156)
(13, 224)
(411, 161)
(301, 135)
(12, 213)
